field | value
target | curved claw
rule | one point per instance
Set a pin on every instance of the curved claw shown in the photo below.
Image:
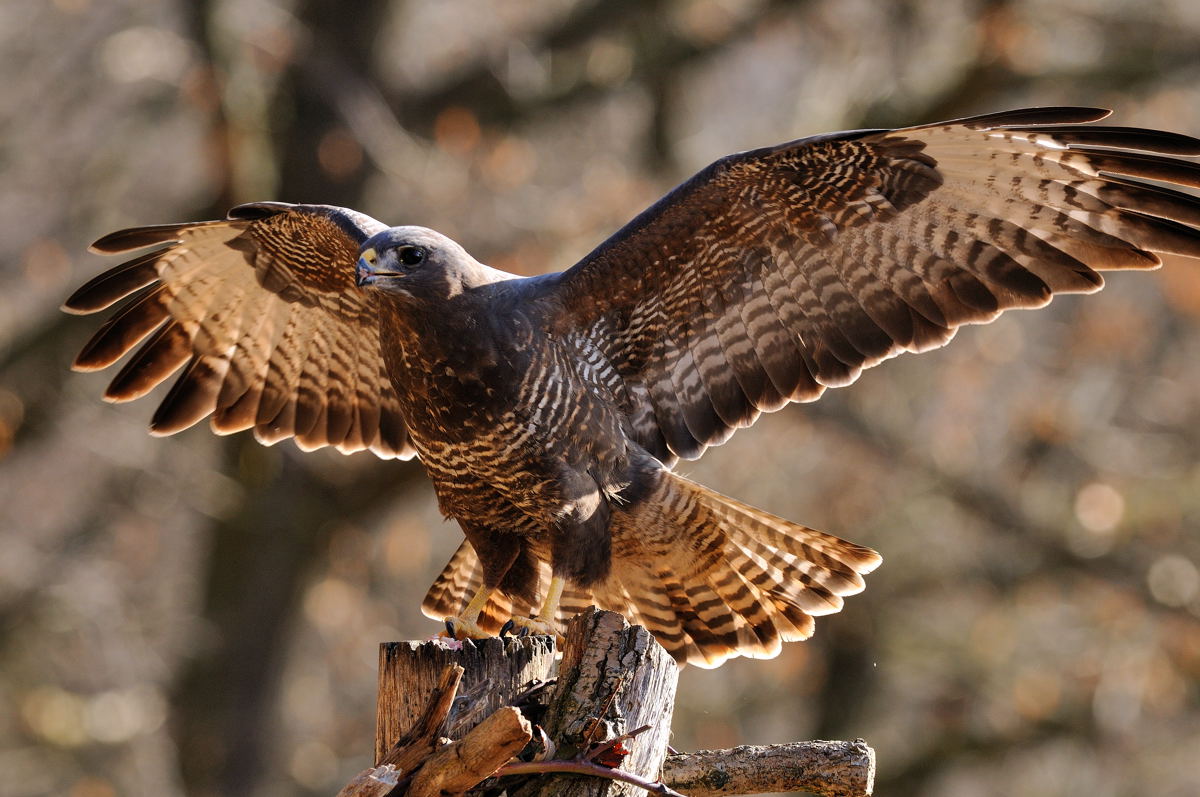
(462, 629)
(536, 627)
(507, 628)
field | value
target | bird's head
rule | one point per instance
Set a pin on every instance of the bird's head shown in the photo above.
(415, 263)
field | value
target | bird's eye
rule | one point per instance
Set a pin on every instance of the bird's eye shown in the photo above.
(411, 255)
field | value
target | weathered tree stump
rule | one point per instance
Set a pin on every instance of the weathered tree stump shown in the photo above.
(599, 728)
(495, 671)
(613, 679)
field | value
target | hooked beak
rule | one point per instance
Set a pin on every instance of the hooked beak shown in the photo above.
(364, 271)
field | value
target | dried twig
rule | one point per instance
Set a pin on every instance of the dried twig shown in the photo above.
(460, 765)
(535, 688)
(414, 747)
(595, 726)
(584, 768)
(374, 782)
(601, 749)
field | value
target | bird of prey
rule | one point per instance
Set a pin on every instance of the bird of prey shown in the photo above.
(550, 410)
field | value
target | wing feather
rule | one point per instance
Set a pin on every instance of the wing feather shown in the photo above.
(192, 396)
(242, 392)
(276, 418)
(160, 356)
(110, 287)
(261, 313)
(777, 272)
(126, 329)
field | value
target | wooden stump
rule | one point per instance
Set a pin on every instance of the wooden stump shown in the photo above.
(613, 679)
(495, 672)
(600, 728)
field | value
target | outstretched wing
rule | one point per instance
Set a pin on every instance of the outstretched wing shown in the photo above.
(261, 313)
(776, 273)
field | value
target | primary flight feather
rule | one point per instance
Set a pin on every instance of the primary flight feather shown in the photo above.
(549, 410)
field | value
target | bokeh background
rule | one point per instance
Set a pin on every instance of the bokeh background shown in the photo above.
(199, 615)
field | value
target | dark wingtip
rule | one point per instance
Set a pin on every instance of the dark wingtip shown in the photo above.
(136, 238)
(76, 305)
(252, 211)
(1136, 138)
(1059, 114)
(108, 288)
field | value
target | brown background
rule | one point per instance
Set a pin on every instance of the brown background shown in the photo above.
(199, 615)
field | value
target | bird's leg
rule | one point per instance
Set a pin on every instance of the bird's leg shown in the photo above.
(466, 624)
(544, 622)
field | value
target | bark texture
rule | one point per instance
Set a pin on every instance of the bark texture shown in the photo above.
(601, 726)
(613, 679)
(829, 769)
(460, 765)
(495, 672)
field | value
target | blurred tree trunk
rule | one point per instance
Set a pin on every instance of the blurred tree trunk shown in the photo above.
(260, 554)
(255, 574)
(319, 160)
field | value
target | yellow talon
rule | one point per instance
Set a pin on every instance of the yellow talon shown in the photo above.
(461, 628)
(537, 626)
(544, 624)
(466, 625)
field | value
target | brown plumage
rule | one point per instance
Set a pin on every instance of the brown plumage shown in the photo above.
(549, 410)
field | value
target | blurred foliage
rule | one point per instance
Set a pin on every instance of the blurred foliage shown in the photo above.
(198, 615)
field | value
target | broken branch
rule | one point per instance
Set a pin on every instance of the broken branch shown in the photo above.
(585, 768)
(460, 765)
(829, 769)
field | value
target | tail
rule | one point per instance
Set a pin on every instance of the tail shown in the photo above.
(462, 577)
(710, 577)
(713, 578)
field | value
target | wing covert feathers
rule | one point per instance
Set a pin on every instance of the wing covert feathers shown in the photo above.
(257, 314)
(774, 274)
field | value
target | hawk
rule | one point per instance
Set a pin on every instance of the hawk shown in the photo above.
(550, 410)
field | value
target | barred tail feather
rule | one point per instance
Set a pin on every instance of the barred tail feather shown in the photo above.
(458, 582)
(455, 585)
(714, 578)
(462, 577)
